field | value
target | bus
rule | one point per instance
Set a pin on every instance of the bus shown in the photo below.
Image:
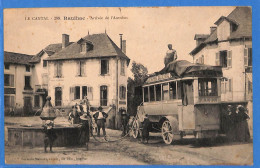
(182, 99)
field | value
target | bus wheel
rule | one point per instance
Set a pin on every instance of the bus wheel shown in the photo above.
(135, 129)
(167, 132)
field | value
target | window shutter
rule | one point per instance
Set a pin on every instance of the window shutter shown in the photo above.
(246, 57)
(107, 66)
(217, 59)
(90, 93)
(83, 63)
(12, 80)
(78, 68)
(222, 86)
(72, 93)
(229, 59)
(55, 69)
(230, 84)
(60, 69)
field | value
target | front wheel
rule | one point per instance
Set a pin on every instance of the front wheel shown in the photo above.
(135, 129)
(167, 132)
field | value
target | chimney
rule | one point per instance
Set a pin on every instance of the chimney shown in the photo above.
(65, 40)
(213, 28)
(124, 46)
(121, 41)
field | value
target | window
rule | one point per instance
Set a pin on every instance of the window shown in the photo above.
(8, 101)
(77, 92)
(202, 59)
(122, 67)
(103, 95)
(83, 47)
(27, 83)
(208, 87)
(173, 93)
(80, 68)
(226, 85)
(104, 67)
(248, 56)
(179, 91)
(158, 92)
(27, 68)
(84, 91)
(8, 80)
(122, 92)
(165, 92)
(58, 96)
(36, 101)
(151, 91)
(146, 96)
(58, 69)
(44, 63)
(224, 59)
(7, 66)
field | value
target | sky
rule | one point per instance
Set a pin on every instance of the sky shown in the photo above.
(147, 31)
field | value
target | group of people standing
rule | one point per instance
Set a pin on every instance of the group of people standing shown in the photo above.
(88, 122)
(235, 124)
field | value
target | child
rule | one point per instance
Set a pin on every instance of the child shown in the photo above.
(50, 135)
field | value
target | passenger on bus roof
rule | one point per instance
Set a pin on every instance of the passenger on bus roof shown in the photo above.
(171, 55)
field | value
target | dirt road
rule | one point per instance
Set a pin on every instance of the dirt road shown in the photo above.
(130, 151)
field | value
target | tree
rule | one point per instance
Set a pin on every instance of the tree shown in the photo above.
(134, 94)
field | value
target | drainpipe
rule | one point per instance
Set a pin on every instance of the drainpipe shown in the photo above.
(117, 110)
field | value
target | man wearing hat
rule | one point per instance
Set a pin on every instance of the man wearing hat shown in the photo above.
(84, 130)
(100, 118)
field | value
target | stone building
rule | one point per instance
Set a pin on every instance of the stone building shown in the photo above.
(18, 83)
(229, 45)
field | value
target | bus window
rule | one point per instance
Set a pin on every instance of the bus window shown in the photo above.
(179, 91)
(151, 90)
(165, 92)
(208, 87)
(173, 90)
(158, 92)
(187, 92)
(146, 94)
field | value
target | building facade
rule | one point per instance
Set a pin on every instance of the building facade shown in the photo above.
(94, 66)
(229, 45)
(18, 83)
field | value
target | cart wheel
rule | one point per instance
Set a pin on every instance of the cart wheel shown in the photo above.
(167, 132)
(135, 129)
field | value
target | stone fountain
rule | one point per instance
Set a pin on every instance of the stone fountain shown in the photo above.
(33, 135)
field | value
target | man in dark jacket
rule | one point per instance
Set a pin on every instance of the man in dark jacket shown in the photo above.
(124, 119)
(146, 127)
(100, 118)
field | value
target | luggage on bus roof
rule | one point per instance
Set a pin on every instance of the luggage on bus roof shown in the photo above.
(182, 68)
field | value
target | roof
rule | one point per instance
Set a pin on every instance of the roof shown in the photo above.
(222, 18)
(201, 36)
(50, 50)
(17, 58)
(241, 17)
(103, 47)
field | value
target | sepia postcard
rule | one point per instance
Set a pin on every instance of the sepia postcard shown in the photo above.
(128, 85)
